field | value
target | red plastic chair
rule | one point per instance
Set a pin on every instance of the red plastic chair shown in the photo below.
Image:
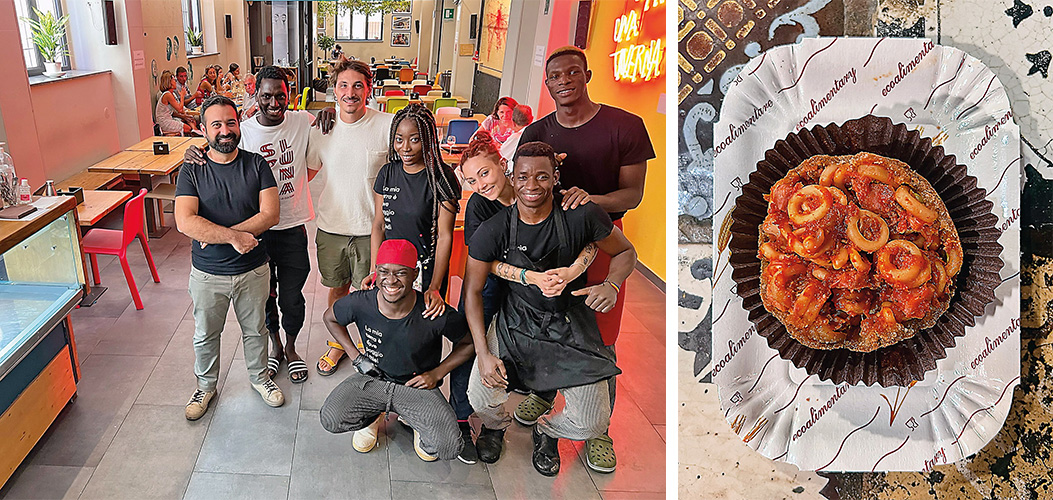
(422, 89)
(394, 92)
(114, 242)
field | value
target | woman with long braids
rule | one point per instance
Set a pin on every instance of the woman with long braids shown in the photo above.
(416, 199)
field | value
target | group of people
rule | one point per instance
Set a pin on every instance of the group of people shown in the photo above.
(175, 95)
(543, 286)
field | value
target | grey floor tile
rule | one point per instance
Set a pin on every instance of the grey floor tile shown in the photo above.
(216, 486)
(317, 387)
(82, 432)
(146, 332)
(406, 490)
(642, 361)
(88, 331)
(407, 466)
(46, 482)
(132, 466)
(514, 476)
(640, 450)
(246, 436)
(326, 466)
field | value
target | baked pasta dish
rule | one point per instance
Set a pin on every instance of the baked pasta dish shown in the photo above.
(857, 252)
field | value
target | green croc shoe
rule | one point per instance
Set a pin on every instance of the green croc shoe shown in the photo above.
(600, 454)
(531, 409)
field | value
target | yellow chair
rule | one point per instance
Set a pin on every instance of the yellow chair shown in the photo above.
(444, 102)
(396, 103)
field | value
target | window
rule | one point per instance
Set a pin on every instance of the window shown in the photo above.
(191, 20)
(24, 8)
(359, 27)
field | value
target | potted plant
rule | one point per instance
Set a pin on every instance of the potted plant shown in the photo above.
(47, 35)
(194, 39)
(325, 42)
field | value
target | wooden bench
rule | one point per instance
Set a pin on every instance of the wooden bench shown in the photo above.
(90, 181)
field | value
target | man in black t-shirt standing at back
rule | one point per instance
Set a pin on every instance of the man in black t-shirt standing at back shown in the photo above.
(606, 149)
(402, 366)
(225, 205)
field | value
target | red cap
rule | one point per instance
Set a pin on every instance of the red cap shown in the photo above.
(399, 252)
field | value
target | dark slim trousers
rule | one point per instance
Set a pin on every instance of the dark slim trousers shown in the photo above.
(290, 265)
(460, 375)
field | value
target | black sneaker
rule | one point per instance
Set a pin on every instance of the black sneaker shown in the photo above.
(546, 453)
(468, 454)
(489, 444)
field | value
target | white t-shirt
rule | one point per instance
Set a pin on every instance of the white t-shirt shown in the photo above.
(284, 146)
(349, 159)
(508, 149)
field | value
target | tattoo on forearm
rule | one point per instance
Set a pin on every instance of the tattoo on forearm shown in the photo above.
(507, 271)
(588, 254)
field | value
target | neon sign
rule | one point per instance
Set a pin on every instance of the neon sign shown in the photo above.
(639, 60)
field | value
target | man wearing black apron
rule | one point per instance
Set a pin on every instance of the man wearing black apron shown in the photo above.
(535, 342)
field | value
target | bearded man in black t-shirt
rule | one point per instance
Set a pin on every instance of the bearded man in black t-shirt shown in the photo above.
(401, 368)
(536, 342)
(606, 150)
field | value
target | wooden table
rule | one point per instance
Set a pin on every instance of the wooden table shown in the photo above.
(99, 204)
(145, 165)
(90, 180)
(426, 99)
(148, 143)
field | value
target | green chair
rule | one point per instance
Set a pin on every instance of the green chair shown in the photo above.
(396, 103)
(443, 102)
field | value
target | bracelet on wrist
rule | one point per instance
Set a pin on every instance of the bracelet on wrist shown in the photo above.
(522, 276)
(617, 289)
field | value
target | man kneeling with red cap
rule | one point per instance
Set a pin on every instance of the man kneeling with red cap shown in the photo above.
(401, 368)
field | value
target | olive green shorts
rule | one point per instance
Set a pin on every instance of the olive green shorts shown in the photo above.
(342, 260)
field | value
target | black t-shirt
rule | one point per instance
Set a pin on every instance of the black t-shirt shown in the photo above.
(401, 348)
(586, 224)
(595, 150)
(408, 200)
(227, 194)
(479, 209)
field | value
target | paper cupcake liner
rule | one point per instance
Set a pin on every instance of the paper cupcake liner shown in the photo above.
(908, 360)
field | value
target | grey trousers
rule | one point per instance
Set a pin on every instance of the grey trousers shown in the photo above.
(359, 399)
(585, 415)
(212, 295)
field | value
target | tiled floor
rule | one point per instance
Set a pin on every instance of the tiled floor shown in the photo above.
(125, 436)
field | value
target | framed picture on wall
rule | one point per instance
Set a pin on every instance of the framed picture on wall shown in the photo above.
(400, 39)
(400, 22)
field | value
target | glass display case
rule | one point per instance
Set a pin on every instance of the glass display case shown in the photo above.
(41, 281)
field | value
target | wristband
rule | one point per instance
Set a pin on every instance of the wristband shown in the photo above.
(617, 289)
(522, 276)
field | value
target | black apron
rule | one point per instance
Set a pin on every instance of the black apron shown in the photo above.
(549, 343)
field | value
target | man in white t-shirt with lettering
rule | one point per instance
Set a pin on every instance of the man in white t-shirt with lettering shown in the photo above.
(343, 166)
(282, 137)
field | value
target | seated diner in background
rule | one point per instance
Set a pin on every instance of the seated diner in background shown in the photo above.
(499, 123)
(168, 114)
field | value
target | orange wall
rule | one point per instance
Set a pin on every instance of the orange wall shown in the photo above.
(645, 226)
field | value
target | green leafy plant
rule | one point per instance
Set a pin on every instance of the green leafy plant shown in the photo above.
(327, 10)
(194, 38)
(47, 33)
(325, 42)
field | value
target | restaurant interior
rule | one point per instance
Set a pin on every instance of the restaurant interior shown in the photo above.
(96, 353)
(96, 327)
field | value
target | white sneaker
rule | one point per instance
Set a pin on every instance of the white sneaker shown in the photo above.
(272, 395)
(423, 455)
(365, 439)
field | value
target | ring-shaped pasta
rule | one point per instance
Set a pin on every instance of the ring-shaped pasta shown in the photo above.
(809, 302)
(840, 259)
(860, 241)
(839, 196)
(875, 172)
(916, 273)
(954, 259)
(770, 252)
(859, 263)
(913, 205)
(826, 178)
(941, 276)
(798, 247)
(780, 277)
(802, 207)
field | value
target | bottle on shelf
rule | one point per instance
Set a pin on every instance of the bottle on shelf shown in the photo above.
(25, 193)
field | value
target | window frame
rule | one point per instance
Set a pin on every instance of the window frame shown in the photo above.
(350, 19)
(189, 9)
(24, 38)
